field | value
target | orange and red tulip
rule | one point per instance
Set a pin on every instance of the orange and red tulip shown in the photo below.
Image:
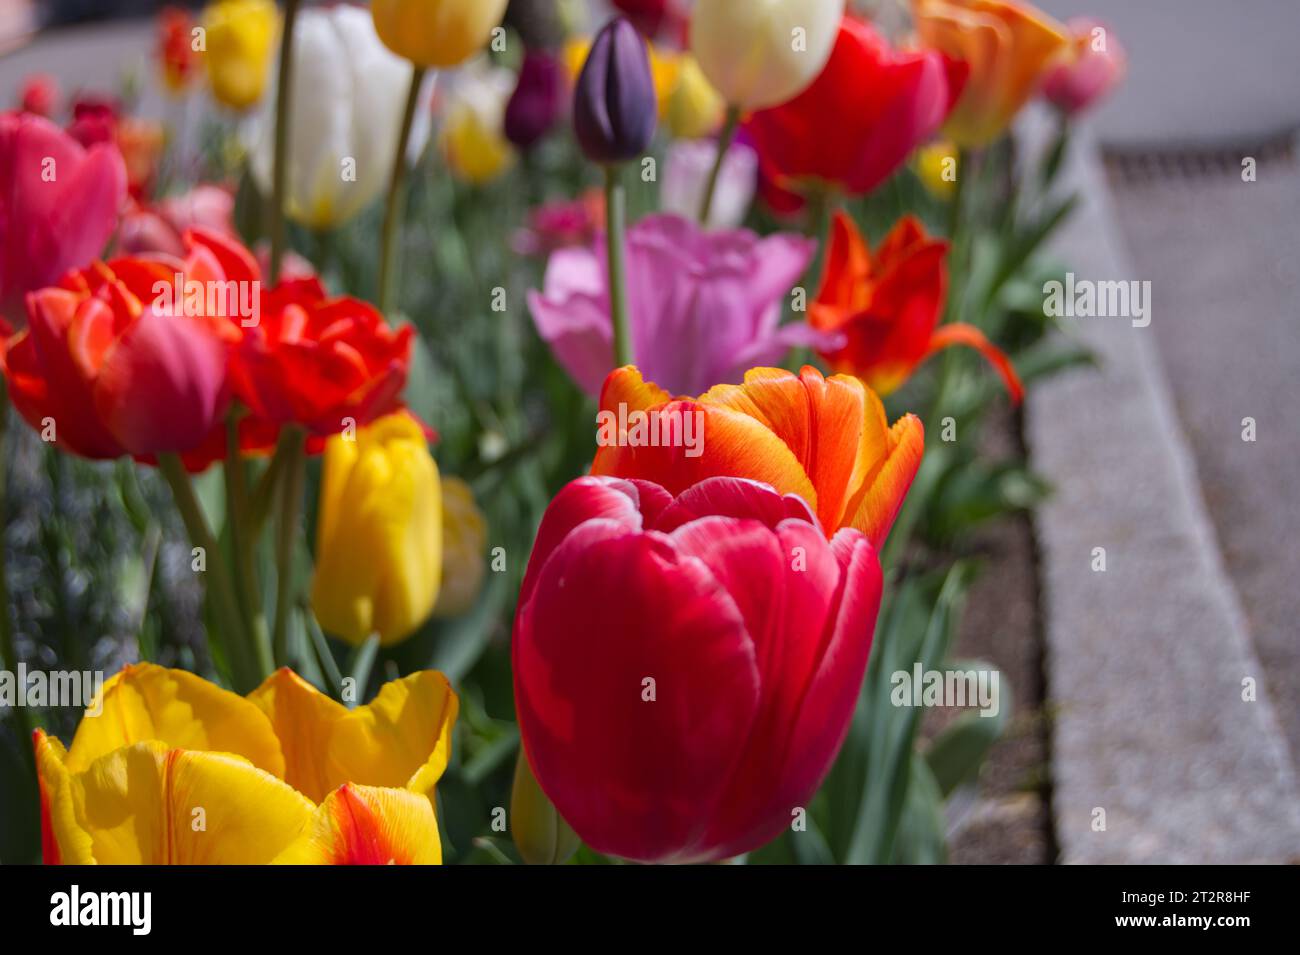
(825, 439)
(886, 307)
(1008, 45)
(178, 770)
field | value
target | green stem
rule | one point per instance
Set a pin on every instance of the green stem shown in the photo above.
(396, 192)
(248, 663)
(294, 441)
(280, 169)
(822, 203)
(8, 647)
(615, 220)
(243, 537)
(725, 137)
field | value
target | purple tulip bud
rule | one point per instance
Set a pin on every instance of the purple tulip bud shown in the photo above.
(614, 105)
(535, 104)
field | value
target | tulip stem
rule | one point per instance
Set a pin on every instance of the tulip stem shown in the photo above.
(8, 648)
(247, 672)
(396, 193)
(615, 223)
(243, 536)
(280, 169)
(292, 445)
(729, 126)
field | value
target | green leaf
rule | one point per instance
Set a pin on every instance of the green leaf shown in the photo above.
(957, 753)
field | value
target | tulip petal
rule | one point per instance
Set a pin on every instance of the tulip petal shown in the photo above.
(63, 840)
(364, 825)
(303, 719)
(400, 739)
(633, 718)
(874, 510)
(147, 702)
(959, 333)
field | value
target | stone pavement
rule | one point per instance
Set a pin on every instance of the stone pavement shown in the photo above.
(1147, 660)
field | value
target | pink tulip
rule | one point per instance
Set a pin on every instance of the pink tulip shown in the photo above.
(58, 204)
(1095, 66)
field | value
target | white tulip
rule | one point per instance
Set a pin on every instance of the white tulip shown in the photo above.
(761, 53)
(347, 98)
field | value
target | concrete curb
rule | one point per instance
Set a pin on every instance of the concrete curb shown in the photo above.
(1146, 660)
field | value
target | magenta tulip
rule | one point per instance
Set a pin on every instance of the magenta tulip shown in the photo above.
(685, 669)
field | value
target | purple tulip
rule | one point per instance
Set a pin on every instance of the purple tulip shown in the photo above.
(536, 102)
(704, 306)
(614, 105)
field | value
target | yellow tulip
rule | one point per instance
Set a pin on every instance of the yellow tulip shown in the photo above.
(694, 109)
(1008, 46)
(473, 139)
(464, 538)
(240, 37)
(933, 163)
(378, 532)
(436, 32)
(176, 770)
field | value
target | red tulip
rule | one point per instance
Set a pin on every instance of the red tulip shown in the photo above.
(117, 362)
(317, 361)
(39, 94)
(58, 204)
(861, 118)
(685, 669)
(887, 306)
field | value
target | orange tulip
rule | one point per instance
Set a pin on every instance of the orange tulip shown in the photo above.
(824, 439)
(1009, 47)
(887, 307)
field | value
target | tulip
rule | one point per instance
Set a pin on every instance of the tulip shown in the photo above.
(1008, 46)
(540, 835)
(703, 306)
(1096, 66)
(39, 95)
(58, 205)
(473, 134)
(346, 99)
(936, 167)
(131, 357)
(824, 439)
(141, 143)
(436, 32)
(537, 100)
(887, 307)
(560, 224)
(653, 17)
(379, 532)
(94, 119)
(760, 53)
(464, 542)
(240, 36)
(176, 770)
(175, 48)
(158, 227)
(614, 106)
(862, 116)
(686, 667)
(692, 108)
(685, 178)
(318, 362)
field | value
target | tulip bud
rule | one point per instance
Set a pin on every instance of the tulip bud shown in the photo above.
(438, 33)
(473, 130)
(541, 835)
(536, 102)
(763, 54)
(1095, 66)
(694, 109)
(379, 532)
(240, 35)
(614, 104)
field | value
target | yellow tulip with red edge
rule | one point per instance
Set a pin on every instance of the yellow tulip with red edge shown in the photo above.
(176, 770)
(436, 33)
(240, 38)
(1008, 47)
(378, 532)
